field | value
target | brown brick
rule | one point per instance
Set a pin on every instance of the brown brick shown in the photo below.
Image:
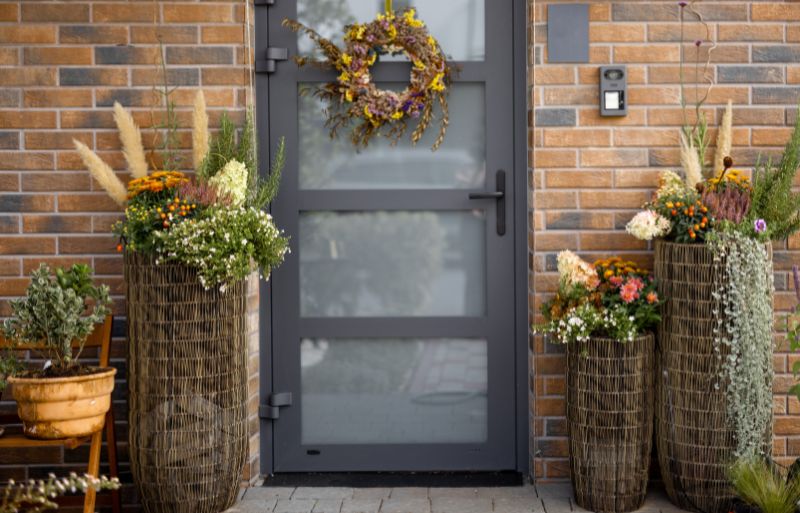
(674, 116)
(55, 181)
(742, 32)
(578, 179)
(187, 13)
(610, 241)
(793, 33)
(93, 76)
(546, 199)
(554, 158)
(222, 34)
(57, 98)
(59, 223)
(98, 202)
(87, 245)
(70, 12)
(9, 11)
(775, 12)
(646, 138)
(55, 140)
(27, 34)
(93, 34)
(615, 33)
(613, 200)
(574, 95)
(24, 160)
(127, 97)
(26, 245)
(86, 119)
(653, 95)
(636, 178)
(770, 136)
(613, 158)
(124, 55)
(26, 203)
(548, 75)
(57, 55)
(173, 34)
(671, 32)
(9, 182)
(10, 266)
(26, 77)
(144, 12)
(646, 53)
(591, 117)
(9, 56)
(579, 220)
(225, 76)
(570, 137)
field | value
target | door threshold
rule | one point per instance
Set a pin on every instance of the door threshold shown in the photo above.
(396, 479)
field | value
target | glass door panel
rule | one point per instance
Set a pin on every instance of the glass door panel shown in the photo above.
(459, 25)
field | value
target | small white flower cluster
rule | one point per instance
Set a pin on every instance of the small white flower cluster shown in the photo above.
(585, 321)
(225, 245)
(647, 225)
(232, 181)
(35, 496)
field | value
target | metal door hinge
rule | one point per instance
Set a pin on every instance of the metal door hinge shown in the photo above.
(263, 2)
(275, 402)
(273, 55)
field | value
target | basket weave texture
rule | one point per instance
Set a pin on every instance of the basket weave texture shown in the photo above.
(610, 421)
(695, 441)
(187, 364)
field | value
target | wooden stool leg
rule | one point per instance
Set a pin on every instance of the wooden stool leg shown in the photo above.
(94, 470)
(113, 469)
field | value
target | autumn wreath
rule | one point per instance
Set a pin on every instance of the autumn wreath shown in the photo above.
(354, 97)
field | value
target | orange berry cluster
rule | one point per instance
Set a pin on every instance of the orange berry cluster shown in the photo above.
(174, 210)
(692, 219)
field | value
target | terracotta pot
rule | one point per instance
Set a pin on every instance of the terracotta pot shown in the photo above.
(56, 408)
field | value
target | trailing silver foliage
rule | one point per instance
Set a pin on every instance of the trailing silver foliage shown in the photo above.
(743, 337)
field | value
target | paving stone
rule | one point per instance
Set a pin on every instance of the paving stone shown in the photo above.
(294, 506)
(406, 505)
(555, 490)
(327, 506)
(254, 506)
(460, 505)
(518, 505)
(525, 491)
(266, 493)
(557, 504)
(464, 493)
(361, 505)
(409, 493)
(309, 492)
(371, 493)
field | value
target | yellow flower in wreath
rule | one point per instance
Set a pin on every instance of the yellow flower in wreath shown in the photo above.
(397, 115)
(367, 113)
(344, 77)
(411, 20)
(437, 84)
(348, 95)
(346, 59)
(392, 32)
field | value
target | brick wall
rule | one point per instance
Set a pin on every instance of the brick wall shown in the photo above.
(62, 65)
(590, 174)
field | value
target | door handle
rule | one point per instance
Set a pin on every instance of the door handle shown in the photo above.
(499, 195)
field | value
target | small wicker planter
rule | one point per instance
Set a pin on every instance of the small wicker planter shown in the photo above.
(695, 440)
(187, 388)
(610, 422)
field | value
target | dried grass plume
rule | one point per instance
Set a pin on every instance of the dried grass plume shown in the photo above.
(690, 161)
(103, 173)
(131, 139)
(199, 130)
(724, 139)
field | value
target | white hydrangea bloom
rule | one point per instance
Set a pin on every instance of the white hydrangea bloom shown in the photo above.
(232, 180)
(647, 225)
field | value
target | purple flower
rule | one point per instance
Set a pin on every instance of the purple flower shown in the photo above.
(760, 226)
(698, 42)
(683, 4)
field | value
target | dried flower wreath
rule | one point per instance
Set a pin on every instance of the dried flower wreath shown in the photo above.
(354, 97)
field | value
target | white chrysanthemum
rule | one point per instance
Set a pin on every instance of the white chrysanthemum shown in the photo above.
(647, 225)
(232, 180)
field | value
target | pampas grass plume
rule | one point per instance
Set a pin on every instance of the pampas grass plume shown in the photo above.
(690, 161)
(199, 130)
(131, 139)
(102, 173)
(724, 139)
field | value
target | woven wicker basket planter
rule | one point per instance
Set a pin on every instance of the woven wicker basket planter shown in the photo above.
(695, 440)
(187, 378)
(610, 422)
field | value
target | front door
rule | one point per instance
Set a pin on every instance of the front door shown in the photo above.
(392, 320)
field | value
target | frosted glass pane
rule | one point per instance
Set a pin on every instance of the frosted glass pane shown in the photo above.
(391, 391)
(459, 25)
(392, 264)
(460, 163)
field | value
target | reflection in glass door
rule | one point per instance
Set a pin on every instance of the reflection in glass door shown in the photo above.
(393, 317)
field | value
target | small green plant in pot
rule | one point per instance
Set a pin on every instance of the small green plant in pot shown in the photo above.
(62, 399)
(763, 487)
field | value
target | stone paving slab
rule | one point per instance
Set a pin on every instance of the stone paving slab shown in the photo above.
(549, 498)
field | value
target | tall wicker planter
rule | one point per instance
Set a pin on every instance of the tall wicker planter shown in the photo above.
(695, 439)
(610, 422)
(187, 388)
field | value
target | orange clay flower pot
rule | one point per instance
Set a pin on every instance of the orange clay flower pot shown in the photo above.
(57, 408)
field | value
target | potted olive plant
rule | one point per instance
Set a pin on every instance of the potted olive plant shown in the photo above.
(62, 399)
(605, 314)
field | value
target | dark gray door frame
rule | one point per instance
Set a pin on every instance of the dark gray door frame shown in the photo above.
(519, 190)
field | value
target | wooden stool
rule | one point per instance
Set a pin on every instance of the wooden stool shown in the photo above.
(100, 337)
